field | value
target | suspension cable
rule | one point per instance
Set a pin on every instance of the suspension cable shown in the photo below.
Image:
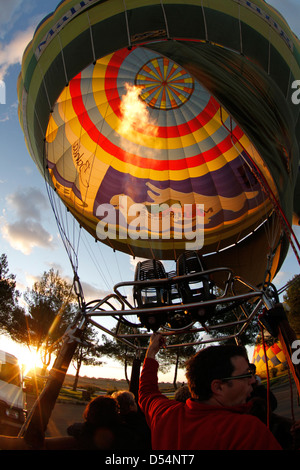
(287, 285)
(266, 187)
(268, 375)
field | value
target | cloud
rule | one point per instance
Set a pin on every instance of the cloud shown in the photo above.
(27, 232)
(12, 52)
(9, 12)
(18, 21)
(28, 203)
(134, 262)
(91, 292)
(25, 235)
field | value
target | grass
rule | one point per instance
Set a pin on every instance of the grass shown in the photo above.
(89, 388)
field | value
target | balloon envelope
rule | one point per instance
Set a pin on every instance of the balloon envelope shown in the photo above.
(274, 356)
(168, 127)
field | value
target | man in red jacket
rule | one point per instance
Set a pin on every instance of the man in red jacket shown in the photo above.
(216, 416)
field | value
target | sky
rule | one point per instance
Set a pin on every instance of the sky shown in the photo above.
(28, 231)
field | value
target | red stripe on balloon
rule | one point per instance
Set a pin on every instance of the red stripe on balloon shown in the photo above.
(133, 159)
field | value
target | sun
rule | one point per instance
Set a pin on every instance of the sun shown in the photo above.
(30, 360)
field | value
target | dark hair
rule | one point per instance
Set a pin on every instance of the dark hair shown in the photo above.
(125, 400)
(102, 411)
(208, 364)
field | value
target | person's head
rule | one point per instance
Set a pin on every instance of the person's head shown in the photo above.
(182, 393)
(102, 411)
(126, 400)
(211, 372)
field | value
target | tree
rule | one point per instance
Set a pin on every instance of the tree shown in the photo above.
(9, 297)
(292, 299)
(229, 313)
(179, 355)
(168, 357)
(122, 352)
(87, 353)
(51, 308)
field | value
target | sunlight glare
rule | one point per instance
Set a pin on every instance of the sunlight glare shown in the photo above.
(29, 361)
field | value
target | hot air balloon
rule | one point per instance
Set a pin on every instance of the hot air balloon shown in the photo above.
(273, 359)
(169, 105)
(167, 128)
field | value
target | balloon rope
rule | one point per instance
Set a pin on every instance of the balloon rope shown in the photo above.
(291, 395)
(127, 24)
(165, 18)
(268, 376)
(264, 184)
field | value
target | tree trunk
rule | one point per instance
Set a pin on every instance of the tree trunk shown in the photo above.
(135, 376)
(175, 372)
(78, 366)
(75, 383)
(125, 370)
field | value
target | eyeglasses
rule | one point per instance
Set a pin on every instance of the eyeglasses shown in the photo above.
(249, 375)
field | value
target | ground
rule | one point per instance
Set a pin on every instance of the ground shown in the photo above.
(63, 415)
